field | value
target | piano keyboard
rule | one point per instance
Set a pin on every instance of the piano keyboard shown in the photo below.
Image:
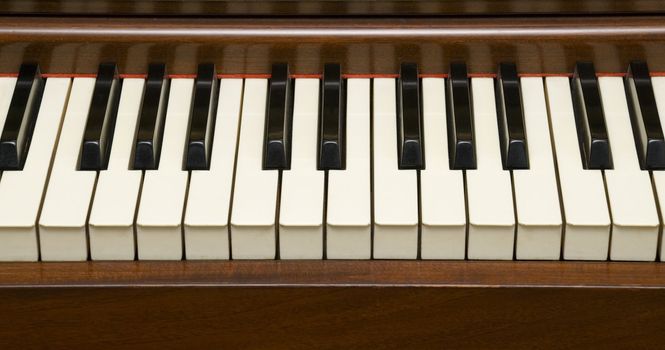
(454, 167)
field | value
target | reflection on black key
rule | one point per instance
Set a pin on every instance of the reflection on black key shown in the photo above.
(511, 118)
(332, 118)
(202, 120)
(279, 113)
(409, 134)
(21, 118)
(461, 147)
(97, 138)
(590, 119)
(644, 117)
(151, 123)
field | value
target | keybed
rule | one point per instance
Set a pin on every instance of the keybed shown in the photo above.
(330, 167)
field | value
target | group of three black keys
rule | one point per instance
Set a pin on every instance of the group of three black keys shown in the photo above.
(98, 135)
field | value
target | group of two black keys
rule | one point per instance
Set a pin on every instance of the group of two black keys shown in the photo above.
(98, 135)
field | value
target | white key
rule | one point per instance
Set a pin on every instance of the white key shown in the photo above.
(158, 224)
(349, 219)
(21, 191)
(489, 189)
(539, 223)
(62, 225)
(395, 190)
(209, 198)
(587, 230)
(111, 223)
(255, 193)
(301, 207)
(635, 222)
(658, 177)
(443, 212)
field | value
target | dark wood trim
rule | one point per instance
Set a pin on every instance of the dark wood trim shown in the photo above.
(332, 304)
(361, 45)
(330, 273)
(326, 7)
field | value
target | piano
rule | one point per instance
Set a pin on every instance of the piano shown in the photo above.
(332, 174)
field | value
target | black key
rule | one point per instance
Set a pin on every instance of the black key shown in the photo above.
(202, 119)
(590, 119)
(21, 118)
(647, 129)
(279, 113)
(461, 146)
(511, 118)
(98, 135)
(151, 119)
(332, 118)
(409, 119)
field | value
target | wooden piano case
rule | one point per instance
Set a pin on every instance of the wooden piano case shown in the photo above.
(331, 304)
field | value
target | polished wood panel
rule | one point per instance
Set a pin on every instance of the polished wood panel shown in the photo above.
(332, 304)
(336, 273)
(328, 7)
(375, 46)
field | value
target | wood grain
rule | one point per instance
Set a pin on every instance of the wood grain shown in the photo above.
(327, 7)
(361, 45)
(336, 273)
(314, 304)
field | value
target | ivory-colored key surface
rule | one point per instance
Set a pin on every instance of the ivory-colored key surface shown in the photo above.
(539, 223)
(254, 208)
(587, 219)
(395, 190)
(443, 212)
(209, 198)
(111, 224)
(301, 205)
(21, 191)
(635, 223)
(62, 225)
(658, 176)
(489, 190)
(158, 223)
(349, 219)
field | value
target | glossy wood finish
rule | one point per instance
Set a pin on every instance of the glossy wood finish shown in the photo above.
(332, 304)
(331, 273)
(362, 46)
(327, 7)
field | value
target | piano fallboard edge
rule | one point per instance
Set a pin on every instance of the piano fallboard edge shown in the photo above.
(361, 45)
(219, 8)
